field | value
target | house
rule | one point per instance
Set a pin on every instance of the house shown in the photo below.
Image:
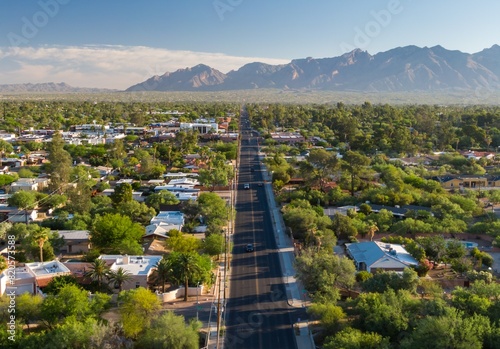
(27, 184)
(14, 215)
(448, 182)
(374, 256)
(140, 268)
(494, 181)
(32, 277)
(159, 231)
(169, 217)
(104, 170)
(13, 162)
(75, 241)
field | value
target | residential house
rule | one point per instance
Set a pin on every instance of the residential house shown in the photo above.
(159, 231)
(33, 277)
(140, 268)
(169, 217)
(15, 215)
(374, 256)
(448, 182)
(75, 241)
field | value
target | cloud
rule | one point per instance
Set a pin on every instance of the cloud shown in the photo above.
(115, 67)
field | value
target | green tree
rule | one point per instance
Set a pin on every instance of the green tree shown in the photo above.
(354, 163)
(114, 233)
(138, 307)
(214, 244)
(322, 273)
(452, 330)
(163, 270)
(22, 199)
(351, 338)
(182, 243)
(122, 194)
(58, 282)
(324, 164)
(119, 277)
(28, 308)
(169, 331)
(164, 197)
(59, 166)
(70, 301)
(185, 267)
(97, 272)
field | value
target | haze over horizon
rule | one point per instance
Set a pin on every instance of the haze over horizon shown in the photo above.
(115, 44)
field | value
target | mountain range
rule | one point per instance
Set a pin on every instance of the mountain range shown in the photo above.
(48, 87)
(408, 68)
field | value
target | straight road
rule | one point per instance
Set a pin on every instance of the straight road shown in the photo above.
(258, 315)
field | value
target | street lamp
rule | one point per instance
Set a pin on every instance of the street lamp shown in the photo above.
(197, 288)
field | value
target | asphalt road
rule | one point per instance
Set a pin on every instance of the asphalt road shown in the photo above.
(258, 315)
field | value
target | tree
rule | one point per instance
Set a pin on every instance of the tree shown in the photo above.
(114, 233)
(97, 272)
(59, 167)
(70, 301)
(329, 314)
(322, 273)
(169, 331)
(118, 277)
(28, 308)
(138, 307)
(182, 243)
(163, 197)
(354, 163)
(387, 314)
(323, 165)
(163, 270)
(138, 211)
(22, 199)
(351, 338)
(58, 282)
(214, 210)
(214, 244)
(122, 194)
(40, 239)
(188, 266)
(434, 246)
(452, 330)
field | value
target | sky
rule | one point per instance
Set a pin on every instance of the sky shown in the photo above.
(118, 43)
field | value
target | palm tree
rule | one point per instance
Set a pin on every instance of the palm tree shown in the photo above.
(41, 239)
(119, 277)
(188, 267)
(162, 272)
(98, 271)
(372, 229)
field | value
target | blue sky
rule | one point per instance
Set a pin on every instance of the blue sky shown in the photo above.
(116, 43)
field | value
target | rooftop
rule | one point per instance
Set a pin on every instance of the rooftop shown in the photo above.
(136, 265)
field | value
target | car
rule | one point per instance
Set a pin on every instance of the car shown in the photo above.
(246, 186)
(252, 170)
(249, 248)
(260, 184)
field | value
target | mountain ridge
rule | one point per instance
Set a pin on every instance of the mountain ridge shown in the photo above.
(401, 69)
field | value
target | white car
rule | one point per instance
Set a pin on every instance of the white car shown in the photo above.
(246, 186)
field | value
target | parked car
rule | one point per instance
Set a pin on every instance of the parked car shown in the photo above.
(249, 248)
(246, 186)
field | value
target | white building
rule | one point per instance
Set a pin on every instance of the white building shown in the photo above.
(139, 267)
(169, 217)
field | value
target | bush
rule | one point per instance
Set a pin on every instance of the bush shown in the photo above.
(363, 276)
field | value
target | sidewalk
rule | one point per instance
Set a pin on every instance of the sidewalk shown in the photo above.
(295, 292)
(218, 295)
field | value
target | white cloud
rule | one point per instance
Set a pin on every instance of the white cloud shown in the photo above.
(106, 66)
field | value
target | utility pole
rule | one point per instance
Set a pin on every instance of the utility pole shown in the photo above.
(218, 314)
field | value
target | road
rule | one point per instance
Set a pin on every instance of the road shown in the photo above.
(258, 315)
